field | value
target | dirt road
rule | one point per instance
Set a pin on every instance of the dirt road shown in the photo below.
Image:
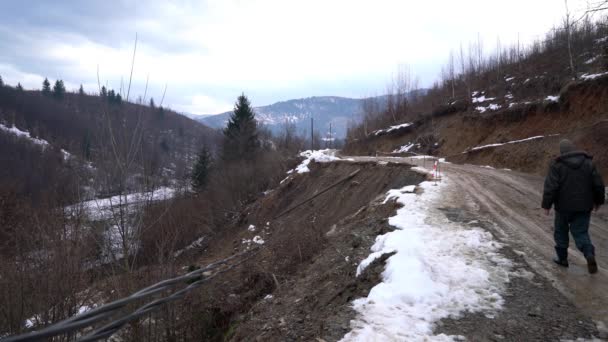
(512, 201)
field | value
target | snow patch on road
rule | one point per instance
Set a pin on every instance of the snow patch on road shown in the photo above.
(440, 270)
(319, 156)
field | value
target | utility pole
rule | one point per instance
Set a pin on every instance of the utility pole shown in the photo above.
(312, 140)
(330, 136)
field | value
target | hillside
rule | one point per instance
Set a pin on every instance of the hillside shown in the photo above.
(510, 115)
(89, 134)
(339, 111)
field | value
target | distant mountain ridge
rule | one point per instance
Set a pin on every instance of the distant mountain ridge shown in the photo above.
(323, 109)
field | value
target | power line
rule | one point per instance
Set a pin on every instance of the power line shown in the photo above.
(103, 312)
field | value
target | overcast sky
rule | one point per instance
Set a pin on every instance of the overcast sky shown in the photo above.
(208, 52)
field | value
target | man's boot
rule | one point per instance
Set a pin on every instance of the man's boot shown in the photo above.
(591, 264)
(562, 256)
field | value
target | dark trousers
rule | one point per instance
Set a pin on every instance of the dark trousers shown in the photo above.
(577, 223)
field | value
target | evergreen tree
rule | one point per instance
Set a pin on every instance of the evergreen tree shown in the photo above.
(81, 90)
(118, 98)
(241, 134)
(160, 113)
(19, 87)
(104, 91)
(201, 169)
(1, 82)
(86, 146)
(59, 89)
(46, 87)
(152, 105)
(111, 96)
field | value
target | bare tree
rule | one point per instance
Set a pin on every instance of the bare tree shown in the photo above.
(569, 38)
(451, 72)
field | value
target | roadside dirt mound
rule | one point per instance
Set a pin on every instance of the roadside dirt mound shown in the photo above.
(535, 156)
(305, 272)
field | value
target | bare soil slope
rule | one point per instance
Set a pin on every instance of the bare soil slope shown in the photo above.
(308, 259)
(581, 115)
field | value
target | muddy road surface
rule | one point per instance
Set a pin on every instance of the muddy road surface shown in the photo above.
(512, 201)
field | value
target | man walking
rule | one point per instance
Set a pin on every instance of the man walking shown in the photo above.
(575, 188)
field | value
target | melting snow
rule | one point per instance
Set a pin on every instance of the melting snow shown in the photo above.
(440, 269)
(591, 60)
(602, 40)
(491, 106)
(588, 77)
(482, 98)
(552, 98)
(404, 148)
(392, 128)
(251, 228)
(24, 134)
(508, 142)
(196, 244)
(103, 208)
(319, 156)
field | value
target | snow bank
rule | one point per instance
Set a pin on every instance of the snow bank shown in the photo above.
(440, 270)
(392, 128)
(24, 134)
(508, 142)
(319, 156)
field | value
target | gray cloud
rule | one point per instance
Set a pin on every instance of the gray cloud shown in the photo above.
(210, 51)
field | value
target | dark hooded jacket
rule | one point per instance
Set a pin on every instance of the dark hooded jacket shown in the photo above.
(573, 184)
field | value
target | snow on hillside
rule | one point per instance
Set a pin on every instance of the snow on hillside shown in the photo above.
(509, 142)
(102, 208)
(392, 128)
(24, 134)
(441, 269)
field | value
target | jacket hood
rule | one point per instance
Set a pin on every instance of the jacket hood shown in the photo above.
(575, 159)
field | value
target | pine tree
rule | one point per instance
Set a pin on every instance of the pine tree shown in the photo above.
(201, 169)
(46, 87)
(19, 87)
(111, 96)
(160, 114)
(241, 136)
(1, 82)
(152, 105)
(58, 89)
(86, 146)
(118, 98)
(81, 90)
(104, 91)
